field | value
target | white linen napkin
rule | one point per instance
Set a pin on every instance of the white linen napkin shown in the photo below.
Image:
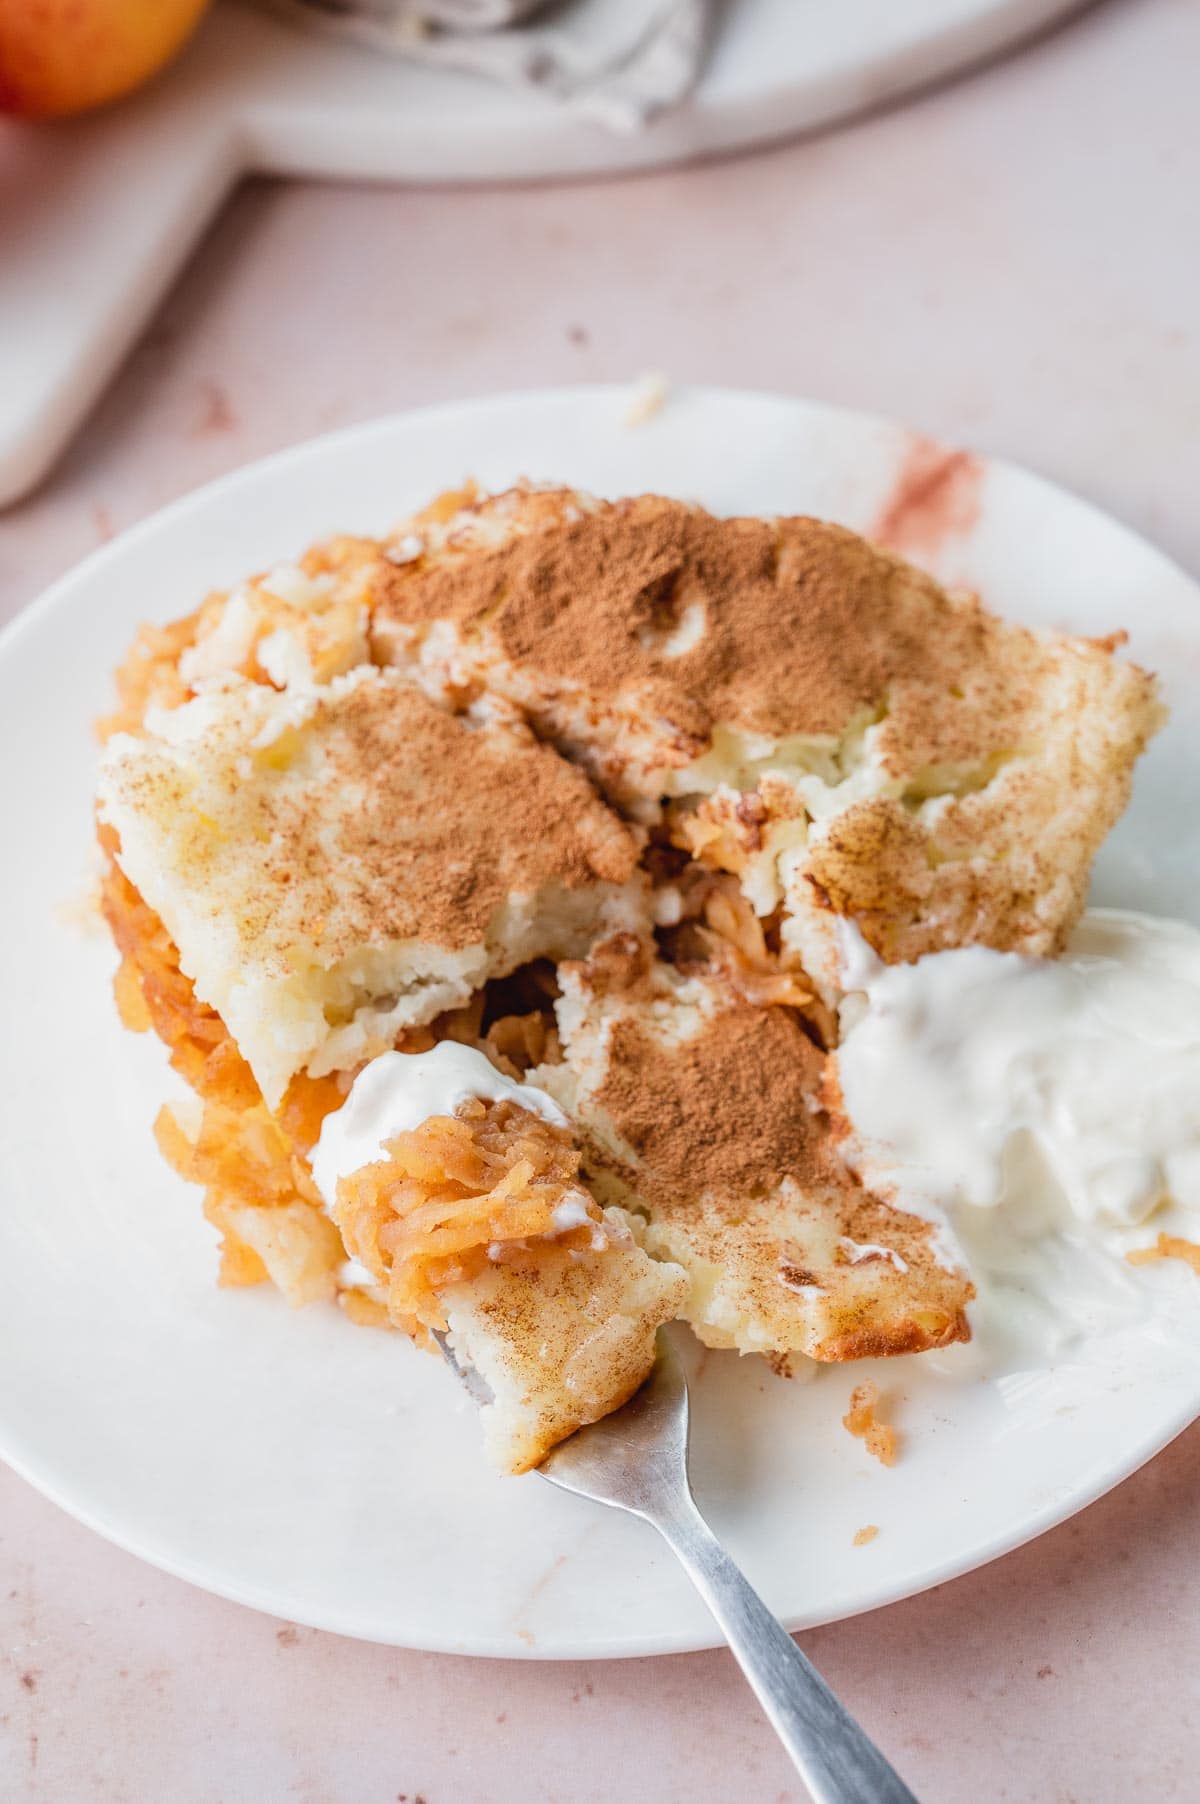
(621, 62)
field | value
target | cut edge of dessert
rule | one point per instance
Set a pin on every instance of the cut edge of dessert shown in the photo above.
(716, 1120)
(479, 1227)
(712, 832)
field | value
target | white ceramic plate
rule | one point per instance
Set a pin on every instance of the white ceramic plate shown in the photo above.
(333, 1475)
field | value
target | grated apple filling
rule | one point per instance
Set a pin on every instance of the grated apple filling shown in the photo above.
(457, 1193)
(252, 1162)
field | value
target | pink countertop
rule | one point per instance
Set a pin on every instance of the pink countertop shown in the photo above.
(1013, 263)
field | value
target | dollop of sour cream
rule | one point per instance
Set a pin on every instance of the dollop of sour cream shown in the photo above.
(1039, 1111)
(1095, 1056)
(397, 1091)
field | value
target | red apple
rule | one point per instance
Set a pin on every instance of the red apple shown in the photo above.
(63, 56)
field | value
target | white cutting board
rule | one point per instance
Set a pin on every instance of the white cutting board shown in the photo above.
(96, 215)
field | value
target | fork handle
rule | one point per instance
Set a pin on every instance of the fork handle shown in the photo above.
(837, 1762)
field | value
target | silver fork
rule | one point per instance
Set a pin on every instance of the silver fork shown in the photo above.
(636, 1460)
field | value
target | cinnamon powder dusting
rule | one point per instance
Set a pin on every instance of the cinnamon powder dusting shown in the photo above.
(798, 624)
(384, 817)
(434, 827)
(729, 1110)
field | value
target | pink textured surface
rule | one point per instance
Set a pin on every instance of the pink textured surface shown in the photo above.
(1008, 263)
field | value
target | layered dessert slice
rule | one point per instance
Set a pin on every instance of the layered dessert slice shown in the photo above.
(716, 1121)
(459, 1190)
(796, 707)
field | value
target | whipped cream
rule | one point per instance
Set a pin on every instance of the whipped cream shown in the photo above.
(398, 1091)
(1039, 1111)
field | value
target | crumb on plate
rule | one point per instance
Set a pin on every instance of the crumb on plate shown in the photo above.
(647, 398)
(1167, 1246)
(861, 1421)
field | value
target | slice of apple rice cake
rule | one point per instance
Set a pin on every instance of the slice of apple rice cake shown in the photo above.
(583, 803)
